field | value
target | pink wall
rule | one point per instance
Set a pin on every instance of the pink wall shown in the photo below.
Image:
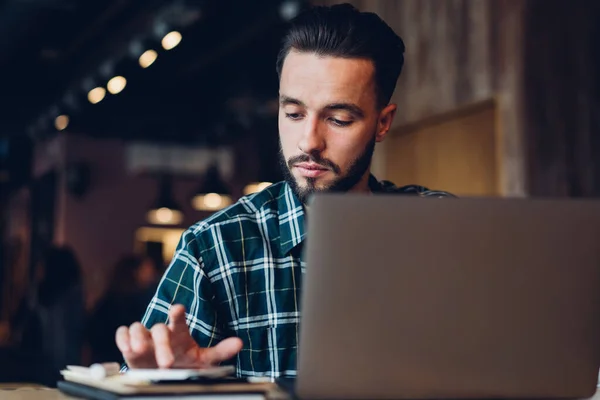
(100, 226)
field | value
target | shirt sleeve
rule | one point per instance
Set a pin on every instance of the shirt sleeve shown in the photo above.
(186, 282)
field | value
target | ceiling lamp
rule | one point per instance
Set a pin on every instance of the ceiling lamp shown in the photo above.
(165, 211)
(116, 84)
(170, 40)
(255, 187)
(61, 122)
(96, 95)
(213, 194)
(147, 58)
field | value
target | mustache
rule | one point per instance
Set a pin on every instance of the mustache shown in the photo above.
(323, 162)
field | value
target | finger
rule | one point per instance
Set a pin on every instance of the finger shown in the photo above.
(162, 346)
(141, 341)
(177, 320)
(123, 341)
(223, 351)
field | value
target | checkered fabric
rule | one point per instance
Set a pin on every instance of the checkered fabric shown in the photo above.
(239, 273)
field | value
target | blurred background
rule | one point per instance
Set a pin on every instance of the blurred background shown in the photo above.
(123, 122)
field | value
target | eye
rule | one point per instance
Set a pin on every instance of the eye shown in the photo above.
(341, 123)
(293, 116)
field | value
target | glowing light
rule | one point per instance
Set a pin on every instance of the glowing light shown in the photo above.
(256, 187)
(116, 84)
(170, 40)
(96, 95)
(211, 202)
(165, 216)
(148, 58)
(61, 122)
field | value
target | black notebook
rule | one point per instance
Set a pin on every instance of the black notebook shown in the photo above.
(94, 393)
(164, 384)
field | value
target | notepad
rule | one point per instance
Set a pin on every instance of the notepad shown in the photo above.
(179, 374)
(141, 384)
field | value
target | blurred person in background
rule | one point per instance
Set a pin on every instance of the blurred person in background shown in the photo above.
(130, 289)
(54, 326)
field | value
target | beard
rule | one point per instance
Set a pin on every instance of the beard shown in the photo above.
(342, 183)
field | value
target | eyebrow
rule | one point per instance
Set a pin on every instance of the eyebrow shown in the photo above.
(350, 107)
(284, 100)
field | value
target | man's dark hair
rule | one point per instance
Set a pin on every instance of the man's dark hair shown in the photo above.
(343, 31)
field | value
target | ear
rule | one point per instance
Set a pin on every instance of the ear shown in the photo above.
(386, 117)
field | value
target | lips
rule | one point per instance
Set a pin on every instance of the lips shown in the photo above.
(311, 170)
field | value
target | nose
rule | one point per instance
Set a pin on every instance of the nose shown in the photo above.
(312, 140)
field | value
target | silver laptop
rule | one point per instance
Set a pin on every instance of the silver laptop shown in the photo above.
(450, 298)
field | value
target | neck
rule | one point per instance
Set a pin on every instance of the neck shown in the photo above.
(361, 187)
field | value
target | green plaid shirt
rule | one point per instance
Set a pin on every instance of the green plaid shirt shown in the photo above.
(239, 273)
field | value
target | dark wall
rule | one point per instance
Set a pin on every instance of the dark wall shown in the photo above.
(562, 97)
(539, 61)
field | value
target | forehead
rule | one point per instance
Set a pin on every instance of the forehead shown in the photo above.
(310, 77)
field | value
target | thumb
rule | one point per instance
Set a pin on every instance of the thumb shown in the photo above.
(223, 351)
(177, 318)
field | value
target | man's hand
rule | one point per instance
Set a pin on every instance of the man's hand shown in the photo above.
(171, 346)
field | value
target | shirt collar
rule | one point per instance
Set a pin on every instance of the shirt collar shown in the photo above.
(374, 185)
(292, 229)
(291, 219)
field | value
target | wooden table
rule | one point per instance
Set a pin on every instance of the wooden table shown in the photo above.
(8, 392)
(41, 393)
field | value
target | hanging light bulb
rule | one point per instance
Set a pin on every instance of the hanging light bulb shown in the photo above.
(213, 194)
(170, 40)
(147, 58)
(61, 122)
(255, 187)
(96, 95)
(165, 211)
(116, 84)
